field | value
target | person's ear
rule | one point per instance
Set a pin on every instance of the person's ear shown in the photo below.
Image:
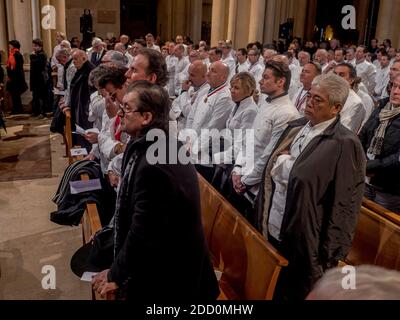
(336, 109)
(152, 78)
(147, 118)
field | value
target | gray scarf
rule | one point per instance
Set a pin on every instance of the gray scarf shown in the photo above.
(385, 116)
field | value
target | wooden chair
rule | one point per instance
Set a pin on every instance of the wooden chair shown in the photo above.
(250, 266)
(376, 240)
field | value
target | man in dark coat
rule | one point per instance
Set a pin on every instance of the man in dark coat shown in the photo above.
(160, 248)
(39, 79)
(312, 190)
(80, 92)
(15, 83)
(380, 138)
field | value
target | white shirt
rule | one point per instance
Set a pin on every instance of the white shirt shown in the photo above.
(270, 122)
(242, 67)
(257, 71)
(382, 80)
(300, 100)
(241, 118)
(154, 47)
(366, 71)
(353, 112)
(230, 62)
(70, 73)
(185, 105)
(368, 104)
(280, 173)
(352, 62)
(180, 76)
(171, 62)
(212, 112)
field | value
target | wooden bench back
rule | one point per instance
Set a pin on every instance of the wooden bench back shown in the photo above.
(376, 241)
(250, 265)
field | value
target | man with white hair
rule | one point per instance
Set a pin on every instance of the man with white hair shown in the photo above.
(312, 189)
(304, 58)
(321, 56)
(269, 54)
(97, 52)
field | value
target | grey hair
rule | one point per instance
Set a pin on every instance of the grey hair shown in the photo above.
(337, 88)
(118, 57)
(97, 74)
(66, 43)
(63, 52)
(371, 283)
(271, 51)
(96, 42)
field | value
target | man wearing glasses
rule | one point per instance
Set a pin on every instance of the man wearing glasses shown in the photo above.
(312, 189)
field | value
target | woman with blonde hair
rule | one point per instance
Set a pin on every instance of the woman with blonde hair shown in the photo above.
(243, 90)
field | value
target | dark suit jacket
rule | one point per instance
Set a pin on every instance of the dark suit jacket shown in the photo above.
(324, 196)
(161, 252)
(93, 59)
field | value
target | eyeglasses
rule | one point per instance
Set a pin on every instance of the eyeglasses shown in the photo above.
(124, 110)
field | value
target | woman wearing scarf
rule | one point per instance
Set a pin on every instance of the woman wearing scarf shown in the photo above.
(16, 84)
(380, 138)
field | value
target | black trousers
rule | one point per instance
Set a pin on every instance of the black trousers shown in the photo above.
(16, 103)
(39, 103)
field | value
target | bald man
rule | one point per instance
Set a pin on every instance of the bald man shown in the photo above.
(212, 112)
(193, 90)
(120, 47)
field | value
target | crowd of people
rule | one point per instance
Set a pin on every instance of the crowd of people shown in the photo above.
(318, 130)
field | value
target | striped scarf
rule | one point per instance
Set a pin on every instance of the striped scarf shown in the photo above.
(385, 116)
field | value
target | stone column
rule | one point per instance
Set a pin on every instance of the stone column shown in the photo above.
(217, 21)
(257, 14)
(3, 31)
(389, 14)
(362, 7)
(232, 20)
(310, 19)
(21, 12)
(300, 13)
(35, 19)
(196, 10)
(48, 39)
(61, 16)
(270, 17)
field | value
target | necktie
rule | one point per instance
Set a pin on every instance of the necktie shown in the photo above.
(237, 68)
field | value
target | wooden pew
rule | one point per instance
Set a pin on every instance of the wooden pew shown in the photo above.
(250, 265)
(90, 220)
(376, 240)
(383, 212)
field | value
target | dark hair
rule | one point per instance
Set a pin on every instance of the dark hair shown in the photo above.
(114, 74)
(385, 54)
(243, 51)
(141, 42)
(157, 65)
(341, 49)
(38, 42)
(352, 70)
(15, 44)
(217, 50)
(316, 65)
(154, 99)
(364, 48)
(280, 70)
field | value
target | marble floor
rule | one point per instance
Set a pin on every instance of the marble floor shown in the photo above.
(29, 242)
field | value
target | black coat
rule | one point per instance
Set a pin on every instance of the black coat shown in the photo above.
(17, 83)
(39, 74)
(386, 166)
(161, 252)
(324, 195)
